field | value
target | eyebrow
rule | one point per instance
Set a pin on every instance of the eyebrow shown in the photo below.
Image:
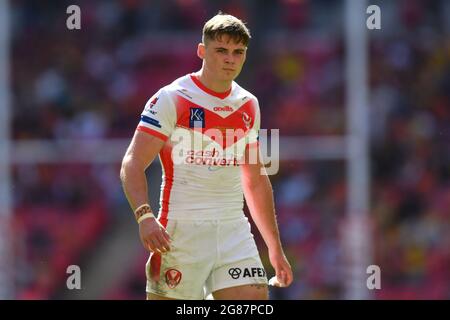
(222, 48)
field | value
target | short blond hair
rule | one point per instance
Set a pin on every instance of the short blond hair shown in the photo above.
(227, 24)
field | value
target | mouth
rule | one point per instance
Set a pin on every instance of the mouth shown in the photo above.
(226, 69)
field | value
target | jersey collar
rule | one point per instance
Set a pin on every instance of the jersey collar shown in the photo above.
(221, 95)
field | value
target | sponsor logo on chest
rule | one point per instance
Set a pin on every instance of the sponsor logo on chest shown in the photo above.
(223, 109)
(196, 118)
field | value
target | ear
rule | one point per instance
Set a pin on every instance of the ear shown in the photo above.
(201, 51)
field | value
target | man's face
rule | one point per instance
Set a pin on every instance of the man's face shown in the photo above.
(223, 57)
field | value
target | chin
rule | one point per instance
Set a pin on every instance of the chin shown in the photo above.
(231, 76)
(227, 78)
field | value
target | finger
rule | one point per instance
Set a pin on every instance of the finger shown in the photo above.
(164, 243)
(166, 235)
(148, 245)
(158, 245)
(164, 231)
(152, 246)
(290, 277)
(161, 243)
(278, 273)
(281, 278)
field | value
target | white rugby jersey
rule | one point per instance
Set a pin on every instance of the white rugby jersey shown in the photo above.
(206, 134)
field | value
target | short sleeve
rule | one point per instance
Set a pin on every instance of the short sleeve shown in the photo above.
(159, 116)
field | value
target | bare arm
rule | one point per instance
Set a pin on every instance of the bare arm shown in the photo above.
(259, 197)
(141, 152)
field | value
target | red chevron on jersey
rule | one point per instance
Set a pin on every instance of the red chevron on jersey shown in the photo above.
(243, 119)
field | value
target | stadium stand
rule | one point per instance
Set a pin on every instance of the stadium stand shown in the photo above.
(94, 84)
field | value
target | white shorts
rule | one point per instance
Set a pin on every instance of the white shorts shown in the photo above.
(205, 256)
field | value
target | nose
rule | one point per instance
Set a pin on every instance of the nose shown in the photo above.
(229, 59)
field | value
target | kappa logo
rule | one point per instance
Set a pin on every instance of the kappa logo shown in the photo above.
(173, 278)
(247, 119)
(235, 273)
(197, 118)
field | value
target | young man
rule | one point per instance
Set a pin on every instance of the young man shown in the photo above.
(201, 242)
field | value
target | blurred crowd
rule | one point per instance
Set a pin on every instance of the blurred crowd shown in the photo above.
(93, 83)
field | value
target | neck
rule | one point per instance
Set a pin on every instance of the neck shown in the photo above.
(208, 81)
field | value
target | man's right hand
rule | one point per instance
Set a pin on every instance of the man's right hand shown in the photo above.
(154, 236)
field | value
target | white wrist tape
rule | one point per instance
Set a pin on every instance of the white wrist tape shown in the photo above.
(143, 212)
(145, 216)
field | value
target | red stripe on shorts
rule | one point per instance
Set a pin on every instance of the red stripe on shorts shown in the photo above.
(167, 163)
(155, 266)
